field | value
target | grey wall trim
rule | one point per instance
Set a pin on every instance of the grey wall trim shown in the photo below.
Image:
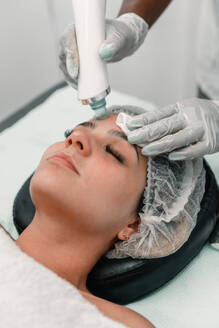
(10, 120)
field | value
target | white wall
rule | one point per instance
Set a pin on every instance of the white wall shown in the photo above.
(162, 70)
(27, 53)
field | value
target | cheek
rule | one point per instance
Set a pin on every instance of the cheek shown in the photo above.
(113, 189)
(58, 146)
(47, 178)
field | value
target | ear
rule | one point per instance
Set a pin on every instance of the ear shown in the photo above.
(131, 228)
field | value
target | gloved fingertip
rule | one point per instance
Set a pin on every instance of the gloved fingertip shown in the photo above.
(132, 139)
(176, 157)
(71, 66)
(149, 151)
(73, 71)
(132, 125)
(107, 52)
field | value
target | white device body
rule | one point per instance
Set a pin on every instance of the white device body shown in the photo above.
(89, 17)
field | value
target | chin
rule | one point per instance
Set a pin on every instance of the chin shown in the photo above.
(49, 188)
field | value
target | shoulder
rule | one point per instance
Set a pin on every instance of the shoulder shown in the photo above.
(133, 319)
(119, 313)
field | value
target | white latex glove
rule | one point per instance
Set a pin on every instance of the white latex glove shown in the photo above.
(124, 35)
(190, 127)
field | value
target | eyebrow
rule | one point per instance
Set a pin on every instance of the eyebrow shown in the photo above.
(116, 133)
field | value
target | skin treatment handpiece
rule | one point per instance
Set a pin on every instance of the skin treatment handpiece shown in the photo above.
(93, 85)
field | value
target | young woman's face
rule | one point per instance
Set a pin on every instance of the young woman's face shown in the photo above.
(104, 191)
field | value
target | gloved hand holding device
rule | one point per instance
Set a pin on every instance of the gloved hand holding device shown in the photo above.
(191, 125)
(124, 35)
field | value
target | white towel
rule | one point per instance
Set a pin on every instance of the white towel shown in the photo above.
(33, 296)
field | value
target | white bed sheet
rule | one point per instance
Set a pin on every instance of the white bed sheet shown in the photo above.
(190, 300)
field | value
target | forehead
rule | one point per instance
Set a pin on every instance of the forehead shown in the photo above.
(107, 123)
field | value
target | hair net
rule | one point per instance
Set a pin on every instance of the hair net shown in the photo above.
(171, 201)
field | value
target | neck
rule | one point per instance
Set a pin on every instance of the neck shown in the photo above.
(70, 255)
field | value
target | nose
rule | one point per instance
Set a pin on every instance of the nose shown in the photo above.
(80, 141)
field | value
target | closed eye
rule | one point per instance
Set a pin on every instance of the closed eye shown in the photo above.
(108, 148)
(114, 153)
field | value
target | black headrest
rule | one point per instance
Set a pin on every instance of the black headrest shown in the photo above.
(124, 280)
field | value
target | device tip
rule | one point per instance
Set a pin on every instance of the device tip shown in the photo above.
(100, 112)
(100, 108)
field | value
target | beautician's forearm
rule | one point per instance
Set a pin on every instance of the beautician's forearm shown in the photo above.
(149, 10)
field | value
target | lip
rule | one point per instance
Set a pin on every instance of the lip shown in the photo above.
(65, 160)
